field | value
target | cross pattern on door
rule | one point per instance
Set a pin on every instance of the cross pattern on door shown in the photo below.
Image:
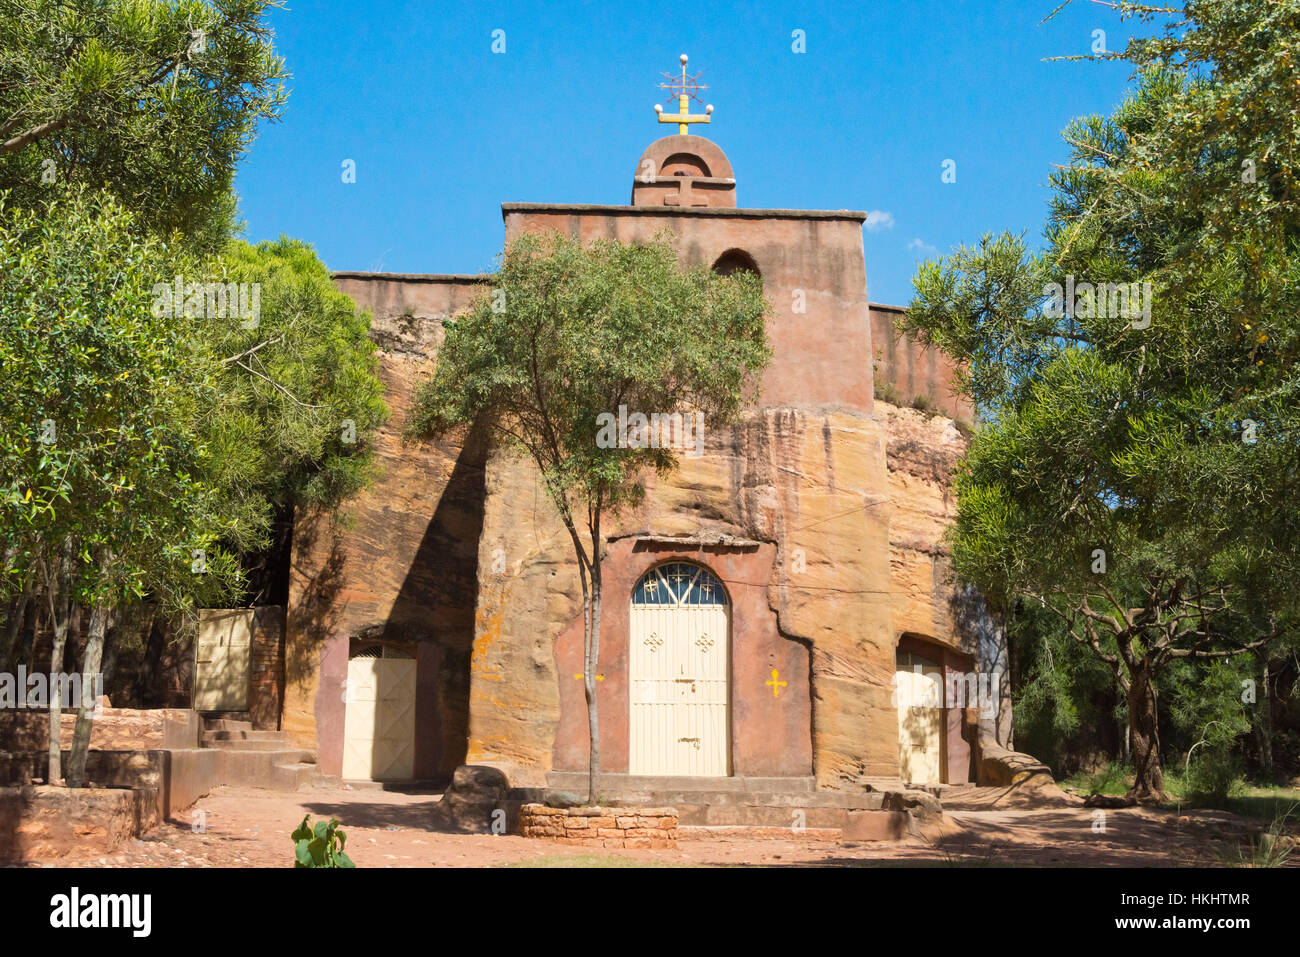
(679, 583)
(679, 670)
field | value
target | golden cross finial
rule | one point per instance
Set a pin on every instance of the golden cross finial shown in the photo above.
(683, 87)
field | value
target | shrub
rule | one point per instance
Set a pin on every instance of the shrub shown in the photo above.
(320, 846)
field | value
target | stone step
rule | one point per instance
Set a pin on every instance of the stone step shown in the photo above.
(247, 745)
(263, 769)
(638, 785)
(782, 817)
(226, 724)
(294, 777)
(855, 800)
(246, 740)
(971, 798)
(244, 734)
(725, 833)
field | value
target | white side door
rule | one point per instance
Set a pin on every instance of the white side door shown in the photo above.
(379, 723)
(920, 724)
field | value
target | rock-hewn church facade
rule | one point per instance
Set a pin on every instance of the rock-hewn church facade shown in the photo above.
(764, 604)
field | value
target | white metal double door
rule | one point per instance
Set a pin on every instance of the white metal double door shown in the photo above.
(379, 723)
(678, 661)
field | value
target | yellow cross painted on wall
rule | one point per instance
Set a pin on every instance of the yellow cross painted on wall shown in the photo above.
(775, 685)
(598, 677)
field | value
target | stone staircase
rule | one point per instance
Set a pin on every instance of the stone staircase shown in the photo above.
(260, 759)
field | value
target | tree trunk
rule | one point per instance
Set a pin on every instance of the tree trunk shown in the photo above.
(593, 723)
(13, 625)
(67, 612)
(1264, 728)
(1144, 739)
(86, 712)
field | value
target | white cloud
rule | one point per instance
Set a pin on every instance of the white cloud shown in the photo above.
(878, 219)
(921, 246)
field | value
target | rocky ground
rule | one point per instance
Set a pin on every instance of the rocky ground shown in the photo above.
(244, 827)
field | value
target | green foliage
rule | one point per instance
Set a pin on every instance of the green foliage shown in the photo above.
(885, 391)
(320, 846)
(570, 332)
(1271, 848)
(157, 100)
(1064, 696)
(1169, 445)
(102, 467)
(1114, 778)
(923, 402)
(298, 399)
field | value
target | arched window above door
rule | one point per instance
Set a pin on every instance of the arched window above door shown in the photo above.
(679, 583)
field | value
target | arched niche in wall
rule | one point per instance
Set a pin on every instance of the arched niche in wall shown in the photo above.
(736, 260)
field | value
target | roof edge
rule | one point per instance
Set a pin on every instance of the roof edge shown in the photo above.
(722, 211)
(468, 278)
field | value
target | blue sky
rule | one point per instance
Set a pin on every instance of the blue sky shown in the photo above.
(442, 130)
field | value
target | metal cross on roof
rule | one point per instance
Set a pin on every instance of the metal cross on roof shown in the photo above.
(683, 88)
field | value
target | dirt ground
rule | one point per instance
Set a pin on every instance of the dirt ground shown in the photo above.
(245, 827)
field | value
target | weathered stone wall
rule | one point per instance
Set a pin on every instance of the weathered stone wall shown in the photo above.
(115, 729)
(401, 569)
(266, 668)
(813, 273)
(640, 827)
(52, 823)
(812, 489)
(912, 370)
(460, 549)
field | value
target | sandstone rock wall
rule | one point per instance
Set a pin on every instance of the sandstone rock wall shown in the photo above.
(855, 509)
(399, 568)
(43, 824)
(457, 551)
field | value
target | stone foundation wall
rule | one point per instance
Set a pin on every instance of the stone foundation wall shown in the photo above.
(114, 729)
(632, 827)
(51, 823)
